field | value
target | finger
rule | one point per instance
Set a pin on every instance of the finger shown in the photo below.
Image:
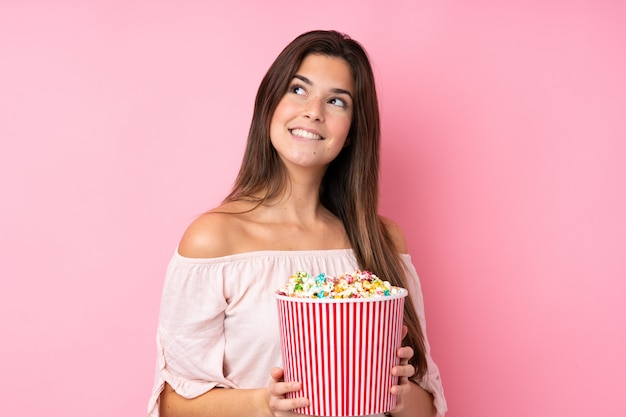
(279, 389)
(405, 352)
(403, 371)
(276, 374)
(277, 397)
(405, 331)
(288, 404)
(400, 390)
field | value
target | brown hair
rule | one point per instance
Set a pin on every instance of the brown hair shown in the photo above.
(349, 188)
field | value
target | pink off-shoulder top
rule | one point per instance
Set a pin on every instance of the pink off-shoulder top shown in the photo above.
(218, 325)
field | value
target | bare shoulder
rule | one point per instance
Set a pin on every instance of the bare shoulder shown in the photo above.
(396, 233)
(211, 235)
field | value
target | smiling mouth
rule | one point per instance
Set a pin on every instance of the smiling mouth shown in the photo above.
(301, 133)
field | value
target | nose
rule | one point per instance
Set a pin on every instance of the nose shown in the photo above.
(314, 110)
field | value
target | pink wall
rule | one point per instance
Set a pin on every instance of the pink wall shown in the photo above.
(503, 158)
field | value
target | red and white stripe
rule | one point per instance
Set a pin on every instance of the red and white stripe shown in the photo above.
(342, 352)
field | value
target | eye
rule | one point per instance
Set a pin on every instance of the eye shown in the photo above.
(297, 89)
(338, 102)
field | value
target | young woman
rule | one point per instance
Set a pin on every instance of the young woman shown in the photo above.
(305, 199)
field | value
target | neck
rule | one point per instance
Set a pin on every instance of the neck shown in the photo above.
(299, 202)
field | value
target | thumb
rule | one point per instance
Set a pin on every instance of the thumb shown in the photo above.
(276, 373)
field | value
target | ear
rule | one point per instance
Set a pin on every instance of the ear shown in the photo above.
(347, 142)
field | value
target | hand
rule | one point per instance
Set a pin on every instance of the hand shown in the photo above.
(279, 405)
(403, 371)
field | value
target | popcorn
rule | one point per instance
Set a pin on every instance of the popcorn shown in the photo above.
(359, 284)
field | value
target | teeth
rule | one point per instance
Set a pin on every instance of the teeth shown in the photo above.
(304, 134)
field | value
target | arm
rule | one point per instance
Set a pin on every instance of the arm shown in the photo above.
(417, 402)
(413, 400)
(216, 402)
(262, 402)
(205, 239)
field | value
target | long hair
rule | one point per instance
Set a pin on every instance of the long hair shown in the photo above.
(349, 187)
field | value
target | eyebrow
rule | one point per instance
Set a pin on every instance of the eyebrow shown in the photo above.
(334, 90)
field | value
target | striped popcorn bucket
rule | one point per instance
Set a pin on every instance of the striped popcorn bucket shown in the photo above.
(342, 352)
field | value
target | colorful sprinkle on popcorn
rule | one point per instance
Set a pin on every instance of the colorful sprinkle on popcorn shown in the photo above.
(359, 284)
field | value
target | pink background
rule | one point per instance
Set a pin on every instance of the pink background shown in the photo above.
(503, 159)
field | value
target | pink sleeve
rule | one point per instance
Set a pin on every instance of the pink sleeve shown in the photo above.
(432, 381)
(190, 335)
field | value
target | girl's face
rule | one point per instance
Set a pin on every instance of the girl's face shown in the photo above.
(311, 122)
